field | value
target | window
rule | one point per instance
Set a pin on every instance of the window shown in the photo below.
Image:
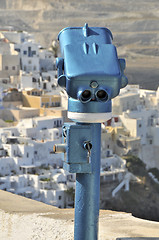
(44, 85)
(58, 125)
(25, 52)
(29, 62)
(34, 68)
(140, 125)
(33, 53)
(60, 197)
(57, 104)
(150, 141)
(17, 49)
(13, 68)
(54, 67)
(6, 67)
(27, 155)
(108, 154)
(29, 52)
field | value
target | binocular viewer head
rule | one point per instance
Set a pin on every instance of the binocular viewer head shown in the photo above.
(89, 69)
(90, 72)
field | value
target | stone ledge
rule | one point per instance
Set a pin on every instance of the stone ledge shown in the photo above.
(22, 218)
(138, 238)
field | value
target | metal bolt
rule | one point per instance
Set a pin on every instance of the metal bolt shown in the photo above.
(59, 148)
(93, 84)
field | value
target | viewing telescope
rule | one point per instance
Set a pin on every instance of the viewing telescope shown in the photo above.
(92, 74)
(89, 71)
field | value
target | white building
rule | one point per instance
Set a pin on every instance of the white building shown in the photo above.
(9, 61)
(34, 58)
(48, 81)
(57, 188)
(47, 61)
(128, 99)
(139, 123)
(30, 80)
(37, 127)
(31, 142)
(29, 55)
(17, 37)
(142, 122)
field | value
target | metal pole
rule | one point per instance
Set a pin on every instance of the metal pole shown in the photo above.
(87, 194)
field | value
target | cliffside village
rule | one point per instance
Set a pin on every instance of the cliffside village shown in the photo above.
(32, 110)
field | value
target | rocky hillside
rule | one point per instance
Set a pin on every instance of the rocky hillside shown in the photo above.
(142, 199)
(134, 25)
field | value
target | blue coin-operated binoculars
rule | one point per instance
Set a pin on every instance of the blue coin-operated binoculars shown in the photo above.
(91, 73)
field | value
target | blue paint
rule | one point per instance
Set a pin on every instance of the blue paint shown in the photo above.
(89, 55)
(88, 193)
(76, 135)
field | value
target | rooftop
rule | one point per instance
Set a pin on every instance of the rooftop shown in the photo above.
(128, 94)
(28, 219)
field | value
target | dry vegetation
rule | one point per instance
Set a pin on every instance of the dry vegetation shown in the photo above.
(142, 199)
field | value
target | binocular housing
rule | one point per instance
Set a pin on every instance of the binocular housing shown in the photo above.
(89, 68)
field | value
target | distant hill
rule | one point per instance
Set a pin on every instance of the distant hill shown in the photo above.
(134, 25)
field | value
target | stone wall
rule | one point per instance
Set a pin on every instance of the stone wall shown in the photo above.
(22, 218)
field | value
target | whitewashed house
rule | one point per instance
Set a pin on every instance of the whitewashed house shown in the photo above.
(142, 123)
(17, 37)
(30, 80)
(33, 80)
(31, 142)
(29, 55)
(47, 61)
(128, 99)
(48, 81)
(55, 188)
(9, 61)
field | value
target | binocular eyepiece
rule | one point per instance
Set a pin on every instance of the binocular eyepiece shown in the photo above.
(101, 95)
(85, 96)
